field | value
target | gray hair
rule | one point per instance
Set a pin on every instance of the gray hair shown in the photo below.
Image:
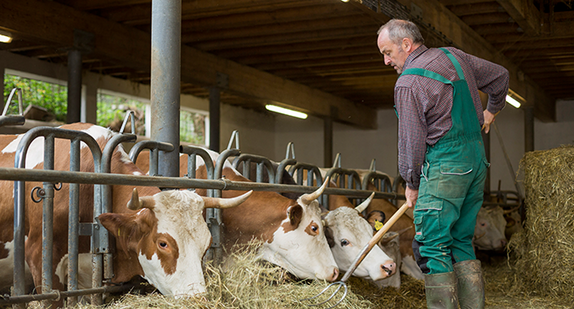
(399, 29)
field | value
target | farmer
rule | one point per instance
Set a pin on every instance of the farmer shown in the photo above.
(441, 155)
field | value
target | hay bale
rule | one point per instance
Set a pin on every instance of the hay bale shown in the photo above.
(544, 255)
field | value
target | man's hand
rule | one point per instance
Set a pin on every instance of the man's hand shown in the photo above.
(411, 196)
(488, 120)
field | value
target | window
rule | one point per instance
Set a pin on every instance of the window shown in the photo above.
(112, 109)
(44, 92)
(192, 126)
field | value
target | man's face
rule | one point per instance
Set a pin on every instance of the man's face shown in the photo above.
(393, 54)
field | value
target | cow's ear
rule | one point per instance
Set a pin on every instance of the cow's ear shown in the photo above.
(388, 237)
(376, 216)
(295, 214)
(128, 229)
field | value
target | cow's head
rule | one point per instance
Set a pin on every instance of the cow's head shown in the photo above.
(348, 234)
(489, 229)
(167, 235)
(299, 244)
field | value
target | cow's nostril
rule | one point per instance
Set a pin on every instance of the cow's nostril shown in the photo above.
(389, 268)
(335, 274)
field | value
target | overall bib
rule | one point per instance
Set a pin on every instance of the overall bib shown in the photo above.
(452, 183)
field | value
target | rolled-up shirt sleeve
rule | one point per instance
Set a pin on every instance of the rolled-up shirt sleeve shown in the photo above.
(491, 79)
(412, 136)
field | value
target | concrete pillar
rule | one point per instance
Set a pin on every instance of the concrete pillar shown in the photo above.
(214, 118)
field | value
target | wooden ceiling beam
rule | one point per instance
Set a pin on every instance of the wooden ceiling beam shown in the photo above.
(317, 49)
(502, 29)
(83, 5)
(476, 8)
(256, 19)
(133, 48)
(486, 19)
(319, 55)
(276, 33)
(330, 63)
(524, 14)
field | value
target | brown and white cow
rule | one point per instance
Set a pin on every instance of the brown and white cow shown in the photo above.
(292, 232)
(160, 235)
(347, 234)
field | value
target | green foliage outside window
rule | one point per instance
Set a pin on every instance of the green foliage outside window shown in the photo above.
(53, 97)
(192, 127)
(111, 112)
(111, 109)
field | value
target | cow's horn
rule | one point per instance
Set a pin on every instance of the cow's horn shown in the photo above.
(213, 202)
(136, 202)
(309, 197)
(365, 203)
(511, 210)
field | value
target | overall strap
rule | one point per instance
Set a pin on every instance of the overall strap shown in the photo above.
(427, 73)
(454, 62)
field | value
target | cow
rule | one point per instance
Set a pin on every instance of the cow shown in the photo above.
(489, 232)
(347, 234)
(159, 235)
(292, 231)
(404, 226)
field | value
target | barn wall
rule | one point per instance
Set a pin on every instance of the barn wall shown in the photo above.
(561, 132)
(256, 133)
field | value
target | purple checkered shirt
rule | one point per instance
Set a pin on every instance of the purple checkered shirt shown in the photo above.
(423, 104)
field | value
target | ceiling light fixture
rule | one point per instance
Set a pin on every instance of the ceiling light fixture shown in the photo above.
(512, 101)
(5, 38)
(286, 111)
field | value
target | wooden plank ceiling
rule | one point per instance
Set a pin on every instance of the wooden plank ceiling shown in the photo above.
(315, 55)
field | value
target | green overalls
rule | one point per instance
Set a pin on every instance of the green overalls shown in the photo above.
(452, 183)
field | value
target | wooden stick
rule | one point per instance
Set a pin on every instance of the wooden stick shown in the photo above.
(374, 241)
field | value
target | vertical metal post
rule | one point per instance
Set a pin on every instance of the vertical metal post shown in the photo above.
(165, 80)
(528, 128)
(74, 85)
(486, 140)
(328, 139)
(214, 118)
(2, 92)
(48, 218)
(73, 223)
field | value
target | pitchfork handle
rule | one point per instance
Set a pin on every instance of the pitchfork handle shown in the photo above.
(375, 240)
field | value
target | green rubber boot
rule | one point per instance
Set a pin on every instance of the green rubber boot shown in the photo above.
(470, 284)
(440, 291)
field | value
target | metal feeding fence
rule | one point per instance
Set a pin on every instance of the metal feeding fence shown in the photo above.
(102, 179)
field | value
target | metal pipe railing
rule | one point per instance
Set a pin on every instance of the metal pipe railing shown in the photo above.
(7, 173)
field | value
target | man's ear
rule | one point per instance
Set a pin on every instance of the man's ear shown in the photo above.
(407, 45)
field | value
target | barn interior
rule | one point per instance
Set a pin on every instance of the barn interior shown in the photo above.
(314, 56)
(319, 57)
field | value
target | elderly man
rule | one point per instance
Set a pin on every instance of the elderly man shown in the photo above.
(441, 155)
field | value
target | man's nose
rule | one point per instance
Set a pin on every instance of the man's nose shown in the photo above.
(387, 60)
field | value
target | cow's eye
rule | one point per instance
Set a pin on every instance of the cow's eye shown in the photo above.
(344, 242)
(483, 224)
(163, 244)
(314, 228)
